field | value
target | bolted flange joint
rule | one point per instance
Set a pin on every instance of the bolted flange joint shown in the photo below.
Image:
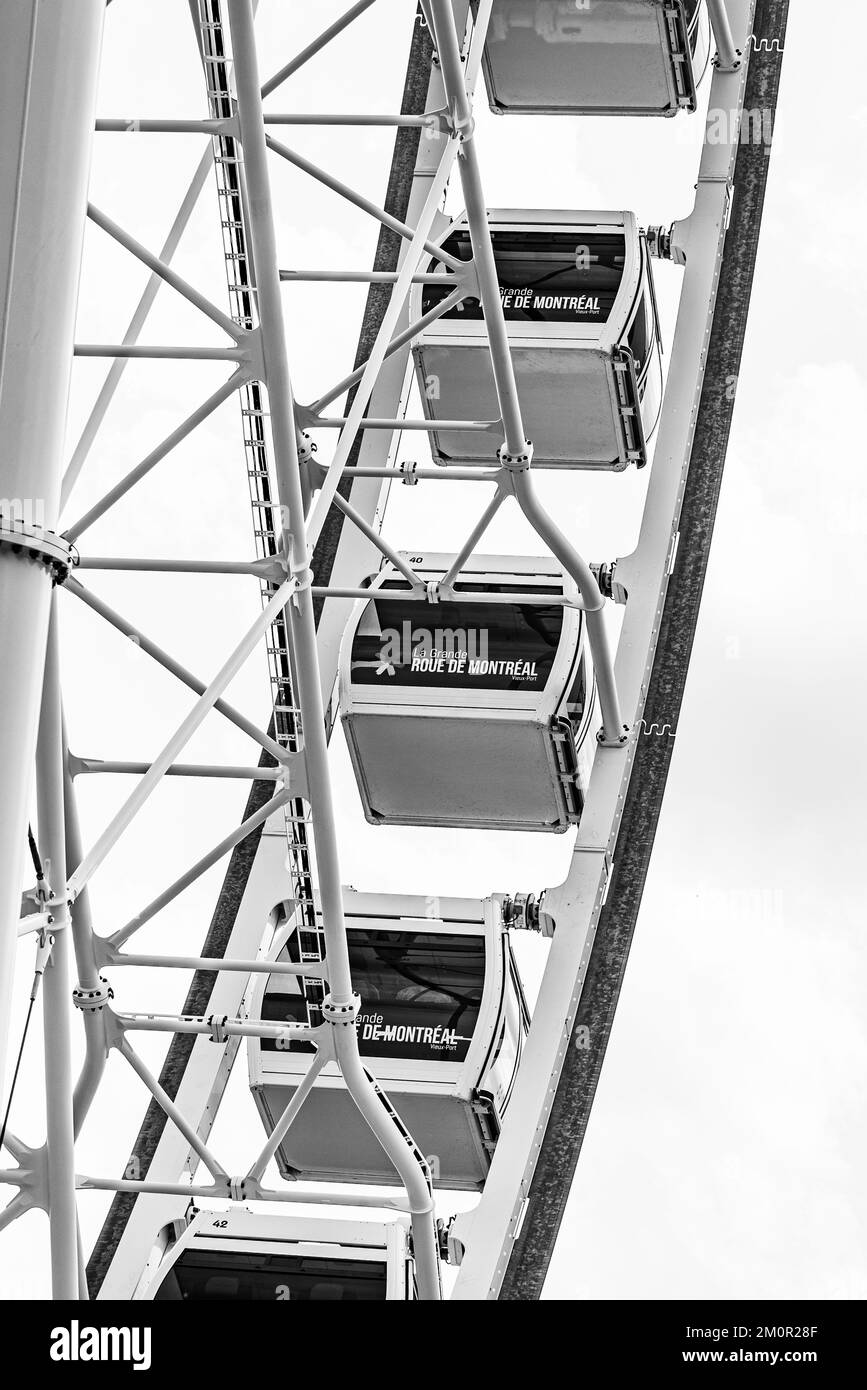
(619, 742)
(35, 543)
(341, 1015)
(734, 65)
(516, 462)
(306, 447)
(92, 1000)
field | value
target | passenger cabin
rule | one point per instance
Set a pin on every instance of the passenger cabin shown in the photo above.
(595, 58)
(442, 1025)
(578, 298)
(243, 1256)
(477, 711)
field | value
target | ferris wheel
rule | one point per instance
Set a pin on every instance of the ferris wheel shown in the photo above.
(406, 1113)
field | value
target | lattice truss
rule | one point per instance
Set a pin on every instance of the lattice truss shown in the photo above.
(299, 461)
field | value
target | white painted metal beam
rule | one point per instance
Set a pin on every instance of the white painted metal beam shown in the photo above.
(49, 60)
(575, 904)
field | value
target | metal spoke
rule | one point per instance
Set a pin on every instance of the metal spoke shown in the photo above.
(156, 455)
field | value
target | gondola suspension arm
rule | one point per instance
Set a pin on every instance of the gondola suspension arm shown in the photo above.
(517, 452)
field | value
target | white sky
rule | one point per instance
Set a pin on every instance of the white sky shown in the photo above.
(726, 1149)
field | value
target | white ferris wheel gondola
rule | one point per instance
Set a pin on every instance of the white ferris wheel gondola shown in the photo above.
(507, 744)
(244, 1256)
(442, 1024)
(478, 710)
(578, 299)
(595, 57)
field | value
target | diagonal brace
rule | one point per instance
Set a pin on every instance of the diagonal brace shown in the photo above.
(179, 740)
(166, 273)
(175, 668)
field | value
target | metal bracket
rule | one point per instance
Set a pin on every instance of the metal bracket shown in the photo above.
(460, 128)
(605, 575)
(457, 1234)
(305, 418)
(218, 1033)
(295, 767)
(438, 121)
(522, 912)
(669, 243)
(672, 553)
(273, 569)
(303, 579)
(251, 343)
(115, 1029)
(607, 865)
(32, 902)
(659, 244)
(30, 1176)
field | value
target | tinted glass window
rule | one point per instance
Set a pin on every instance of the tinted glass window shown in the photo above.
(455, 646)
(288, 999)
(220, 1276)
(420, 994)
(545, 277)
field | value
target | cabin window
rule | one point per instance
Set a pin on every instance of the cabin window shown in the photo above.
(291, 999)
(455, 646)
(223, 1275)
(421, 992)
(567, 276)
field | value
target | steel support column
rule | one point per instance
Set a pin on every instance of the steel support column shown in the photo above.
(56, 1001)
(49, 59)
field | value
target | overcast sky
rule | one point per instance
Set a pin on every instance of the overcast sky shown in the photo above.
(725, 1154)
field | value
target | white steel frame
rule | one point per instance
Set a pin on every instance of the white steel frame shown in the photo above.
(441, 1078)
(374, 1243)
(301, 496)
